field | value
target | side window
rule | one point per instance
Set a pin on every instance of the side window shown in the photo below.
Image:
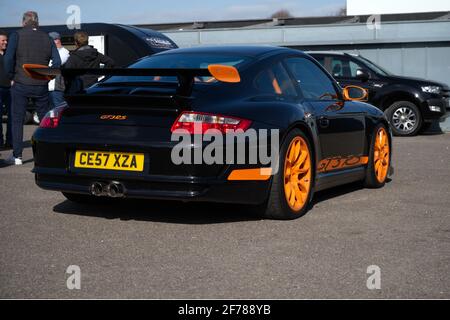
(340, 67)
(353, 68)
(275, 80)
(313, 82)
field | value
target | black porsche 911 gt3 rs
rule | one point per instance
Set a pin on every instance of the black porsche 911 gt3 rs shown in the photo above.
(116, 139)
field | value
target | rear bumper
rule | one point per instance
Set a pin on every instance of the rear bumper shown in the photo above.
(54, 152)
(159, 187)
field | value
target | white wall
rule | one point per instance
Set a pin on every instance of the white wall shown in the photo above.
(98, 42)
(369, 7)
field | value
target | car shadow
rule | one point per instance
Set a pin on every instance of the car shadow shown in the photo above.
(335, 192)
(27, 144)
(161, 211)
(184, 213)
(338, 191)
(433, 129)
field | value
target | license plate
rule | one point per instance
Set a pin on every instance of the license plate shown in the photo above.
(109, 160)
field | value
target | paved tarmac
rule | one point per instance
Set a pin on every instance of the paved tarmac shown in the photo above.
(171, 250)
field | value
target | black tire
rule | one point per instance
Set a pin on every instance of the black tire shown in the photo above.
(28, 118)
(405, 118)
(83, 198)
(35, 119)
(276, 206)
(371, 180)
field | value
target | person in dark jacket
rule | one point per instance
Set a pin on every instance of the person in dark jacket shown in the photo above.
(5, 94)
(86, 56)
(28, 45)
(56, 86)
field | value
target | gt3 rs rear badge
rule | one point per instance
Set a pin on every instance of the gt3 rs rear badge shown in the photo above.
(337, 163)
(113, 117)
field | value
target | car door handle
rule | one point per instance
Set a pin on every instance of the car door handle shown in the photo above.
(324, 122)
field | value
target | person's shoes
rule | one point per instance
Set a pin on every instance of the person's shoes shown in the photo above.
(14, 161)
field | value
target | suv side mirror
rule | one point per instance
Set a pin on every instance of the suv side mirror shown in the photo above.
(354, 93)
(362, 75)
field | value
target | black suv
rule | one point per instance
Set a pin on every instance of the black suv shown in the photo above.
(410, 104)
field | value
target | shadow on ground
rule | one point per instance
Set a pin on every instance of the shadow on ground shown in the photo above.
(183, 213)
(5, 153)
(161, 211)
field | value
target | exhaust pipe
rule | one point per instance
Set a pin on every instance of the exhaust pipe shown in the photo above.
(97, 189)
(115, 190)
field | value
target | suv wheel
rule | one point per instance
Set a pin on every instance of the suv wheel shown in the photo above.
(31, 117)
(405, 118)
(36, 118)
(28, 118)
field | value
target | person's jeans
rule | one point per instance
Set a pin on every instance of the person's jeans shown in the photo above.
(5, 100)
(19, 102)
(56, 98)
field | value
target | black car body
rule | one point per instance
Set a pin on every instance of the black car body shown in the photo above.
(279, 89)
(410, 104)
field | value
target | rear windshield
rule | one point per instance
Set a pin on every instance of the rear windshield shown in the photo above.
(174, 61)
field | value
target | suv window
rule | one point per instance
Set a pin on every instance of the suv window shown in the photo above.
(313, 82)
(275, 80)
(340, 67)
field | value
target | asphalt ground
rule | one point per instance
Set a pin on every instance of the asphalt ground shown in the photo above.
(172, 250)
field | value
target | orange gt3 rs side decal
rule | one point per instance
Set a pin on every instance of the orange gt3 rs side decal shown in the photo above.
(262, 174)
(337, 163)
(112, 117)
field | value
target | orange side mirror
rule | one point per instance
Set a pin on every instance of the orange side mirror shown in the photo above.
(355, 93)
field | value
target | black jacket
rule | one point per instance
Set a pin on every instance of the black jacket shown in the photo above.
(88, 57)
(4, 80)
(29, 45)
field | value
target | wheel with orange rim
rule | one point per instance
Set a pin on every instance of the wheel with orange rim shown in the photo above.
(292, 186)
(381, 155)
(297, 174)
(380, 158)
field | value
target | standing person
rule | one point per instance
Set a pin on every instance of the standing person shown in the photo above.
(86, 56)
(56, 86)
(5, 95)
(28, 45)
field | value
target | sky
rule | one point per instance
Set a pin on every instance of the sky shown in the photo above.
(53, 12)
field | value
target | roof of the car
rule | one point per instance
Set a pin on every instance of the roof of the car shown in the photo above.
(252, 51)
(335, 53)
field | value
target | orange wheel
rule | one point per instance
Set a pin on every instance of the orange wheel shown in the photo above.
(292, 187)
(297, 174)
(381, 155)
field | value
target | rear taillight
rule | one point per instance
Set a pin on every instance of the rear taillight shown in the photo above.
(52, 118)
(199, 123)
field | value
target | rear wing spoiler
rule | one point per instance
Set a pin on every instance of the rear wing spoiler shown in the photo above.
(186, 77)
